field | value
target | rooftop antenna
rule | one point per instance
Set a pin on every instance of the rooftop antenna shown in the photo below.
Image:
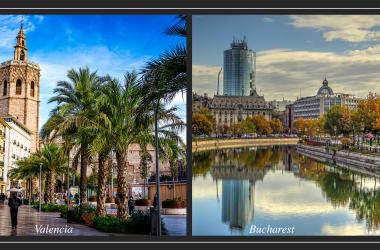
(220, 71)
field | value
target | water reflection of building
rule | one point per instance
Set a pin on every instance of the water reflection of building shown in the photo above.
(238, 189)
(237, 203)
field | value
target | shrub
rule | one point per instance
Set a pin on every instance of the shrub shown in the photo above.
(73, 215)
(176, 203)
(109, 224)
(143, 202)
(50, 207)
(53, 207)
(87, 218)
(79, 215)
(139, 223)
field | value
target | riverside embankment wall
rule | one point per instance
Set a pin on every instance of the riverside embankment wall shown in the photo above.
(235, 143)
(368, 164)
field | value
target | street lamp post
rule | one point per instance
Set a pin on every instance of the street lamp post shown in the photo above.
(68, 180)
(336, 139)
(157, 171)
(112, 181)
(362, 137)
(39, 205)
(318, 135)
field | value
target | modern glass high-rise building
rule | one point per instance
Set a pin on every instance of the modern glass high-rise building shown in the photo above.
(239, 70)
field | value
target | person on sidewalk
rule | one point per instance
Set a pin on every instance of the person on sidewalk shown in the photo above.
(14, 202)
(131, 205)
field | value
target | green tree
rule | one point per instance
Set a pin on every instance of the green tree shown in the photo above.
(338, 117)
(52, 162)
(71, 118)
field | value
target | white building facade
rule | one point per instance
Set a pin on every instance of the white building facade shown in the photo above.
(313, 107)
(18, 143)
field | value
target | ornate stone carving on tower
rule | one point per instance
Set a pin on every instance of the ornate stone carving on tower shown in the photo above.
(20, 88)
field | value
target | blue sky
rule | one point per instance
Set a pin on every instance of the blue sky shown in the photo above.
(109, 44)
(294, 53)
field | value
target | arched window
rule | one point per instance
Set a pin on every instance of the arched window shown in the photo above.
(5, 88)
(18, 87)
(32, 89)
(22, 55)
(23, 43)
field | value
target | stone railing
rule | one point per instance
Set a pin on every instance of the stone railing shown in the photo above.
(13, 62)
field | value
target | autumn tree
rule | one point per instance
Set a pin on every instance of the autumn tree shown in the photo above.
(203, 122)
(367, 115)
(276, 126)
(262, 126)
(338, 117)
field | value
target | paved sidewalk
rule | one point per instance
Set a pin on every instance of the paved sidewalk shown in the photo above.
(29, 218)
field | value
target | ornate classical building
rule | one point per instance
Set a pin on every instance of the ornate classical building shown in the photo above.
(20, 89)
(228, 110)
(313, 107)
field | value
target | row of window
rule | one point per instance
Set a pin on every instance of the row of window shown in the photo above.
(18, 144)
(18, 88)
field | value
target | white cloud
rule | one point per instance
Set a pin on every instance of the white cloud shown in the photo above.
(286, 73)
(346, 229)
(205, 79)
(10, 25)
(268, 20)
(350, 28)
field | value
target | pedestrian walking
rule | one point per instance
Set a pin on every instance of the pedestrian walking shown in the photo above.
(2, 198)
(14, 202)
(76, 197)
(131, 205)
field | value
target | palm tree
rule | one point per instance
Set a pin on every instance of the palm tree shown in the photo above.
(51, 158)
(118, 104)
(163, 78)
(75, 111)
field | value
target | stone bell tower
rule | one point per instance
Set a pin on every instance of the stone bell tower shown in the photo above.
(20, 88)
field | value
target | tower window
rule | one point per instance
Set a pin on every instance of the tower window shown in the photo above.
(18, 87)
(23, 43)
(5, 88)
(32, 89)
(22, 55)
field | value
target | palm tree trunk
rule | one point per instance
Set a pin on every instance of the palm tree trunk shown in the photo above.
(51, 187)
(47, 185)
(122, 206)
(84, 157)
(102, 179)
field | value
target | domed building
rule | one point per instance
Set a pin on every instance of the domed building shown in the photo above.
(325, 90)
(312, 107)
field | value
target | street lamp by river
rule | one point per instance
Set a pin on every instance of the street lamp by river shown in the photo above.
(362, 129)
(317, 134)
(39, 205)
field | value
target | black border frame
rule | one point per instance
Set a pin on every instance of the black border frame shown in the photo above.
(195, 11)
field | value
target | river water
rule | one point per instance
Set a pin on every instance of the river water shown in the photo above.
(276, 191)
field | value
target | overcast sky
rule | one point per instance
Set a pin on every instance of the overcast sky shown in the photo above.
(294, 53)
(108, 44)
